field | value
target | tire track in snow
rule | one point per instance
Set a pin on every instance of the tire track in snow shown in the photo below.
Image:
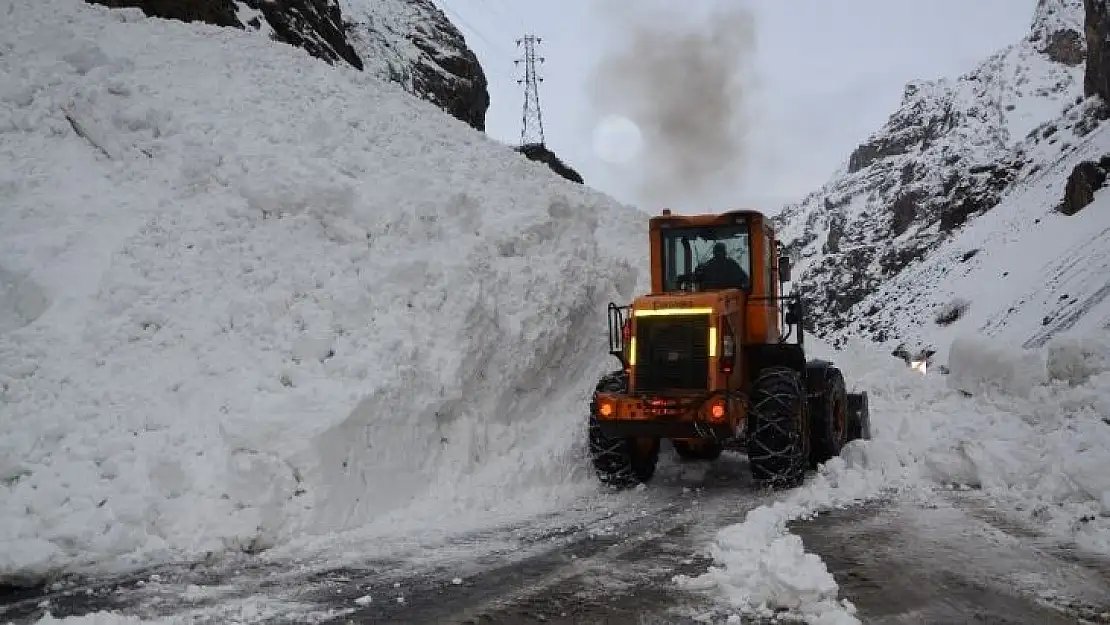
(944, 561)
(603, 572)
(576, 566)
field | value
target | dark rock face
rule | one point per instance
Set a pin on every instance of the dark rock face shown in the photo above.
(1096, 81)
(836, 232)
(1066, 46)
(452, 80)
(908, 128)
(540, 153)
(217, 12)
(315, 25)
(1085, 179)
(904, 210)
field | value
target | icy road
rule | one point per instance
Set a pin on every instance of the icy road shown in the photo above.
(947, 557)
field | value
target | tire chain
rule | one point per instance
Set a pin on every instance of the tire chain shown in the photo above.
(611, 457)
(612, 454)
(790, 465)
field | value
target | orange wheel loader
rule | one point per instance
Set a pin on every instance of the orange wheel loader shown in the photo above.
(713, 358)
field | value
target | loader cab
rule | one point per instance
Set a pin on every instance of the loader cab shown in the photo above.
(697, 253)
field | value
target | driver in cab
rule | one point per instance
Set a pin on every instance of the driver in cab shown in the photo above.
(722, 272)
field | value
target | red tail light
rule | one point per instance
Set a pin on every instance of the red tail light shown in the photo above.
(626, 331)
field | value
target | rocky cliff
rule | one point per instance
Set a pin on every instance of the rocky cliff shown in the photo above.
(414, 44)
(951, 152)
(410, 42)
(541, 154)
(1096, 81)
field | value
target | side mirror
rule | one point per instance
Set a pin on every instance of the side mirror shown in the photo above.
(793, 314)
(784, 269)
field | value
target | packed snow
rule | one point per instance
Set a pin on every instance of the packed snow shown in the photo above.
(1028, 429)
(248, 297)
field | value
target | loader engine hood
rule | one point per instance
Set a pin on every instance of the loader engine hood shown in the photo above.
(674, 341)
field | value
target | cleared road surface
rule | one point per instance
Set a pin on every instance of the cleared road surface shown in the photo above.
(949, 560)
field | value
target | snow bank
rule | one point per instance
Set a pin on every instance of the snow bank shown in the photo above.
(1029, 429)
(977, 364)
(250, 297)
(1039, 442)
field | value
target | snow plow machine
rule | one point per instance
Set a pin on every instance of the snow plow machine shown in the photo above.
(713, 358)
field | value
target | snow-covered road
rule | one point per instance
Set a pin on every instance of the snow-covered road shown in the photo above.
(946, 559)
(591, 563)
(942, 556)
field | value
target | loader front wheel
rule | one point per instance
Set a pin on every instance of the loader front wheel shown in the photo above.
(620, 462)
(777, 433)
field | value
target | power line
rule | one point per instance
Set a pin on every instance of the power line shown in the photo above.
(496, 9)
(531, 131)
(478, 33)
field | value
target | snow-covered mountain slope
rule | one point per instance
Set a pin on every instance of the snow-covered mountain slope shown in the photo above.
(410, 42)
(1023, 272)
(273, 300)
(947, 155)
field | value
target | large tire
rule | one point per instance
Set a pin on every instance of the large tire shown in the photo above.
(620, 462)
(777, 433)
(708, 450)
(829, 419)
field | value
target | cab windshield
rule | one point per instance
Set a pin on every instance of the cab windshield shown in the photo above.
(706, 258)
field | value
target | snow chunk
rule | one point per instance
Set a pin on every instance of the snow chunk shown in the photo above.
(761, 568)
(979, 365)
(1075, 359)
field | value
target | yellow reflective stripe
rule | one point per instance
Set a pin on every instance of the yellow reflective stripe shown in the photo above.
(632, 352)
(670, 312)
(712, 342)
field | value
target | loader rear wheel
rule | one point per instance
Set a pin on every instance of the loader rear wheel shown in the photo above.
(620, 462)
(777, 434)
(859, 417)
(708, 450)
(829, 418)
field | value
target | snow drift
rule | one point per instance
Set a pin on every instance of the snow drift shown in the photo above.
(247, 297)
(1027, 430)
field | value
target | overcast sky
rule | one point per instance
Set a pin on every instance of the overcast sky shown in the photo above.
(810, 80)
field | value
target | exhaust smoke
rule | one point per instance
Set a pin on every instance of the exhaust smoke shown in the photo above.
(686, 85)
